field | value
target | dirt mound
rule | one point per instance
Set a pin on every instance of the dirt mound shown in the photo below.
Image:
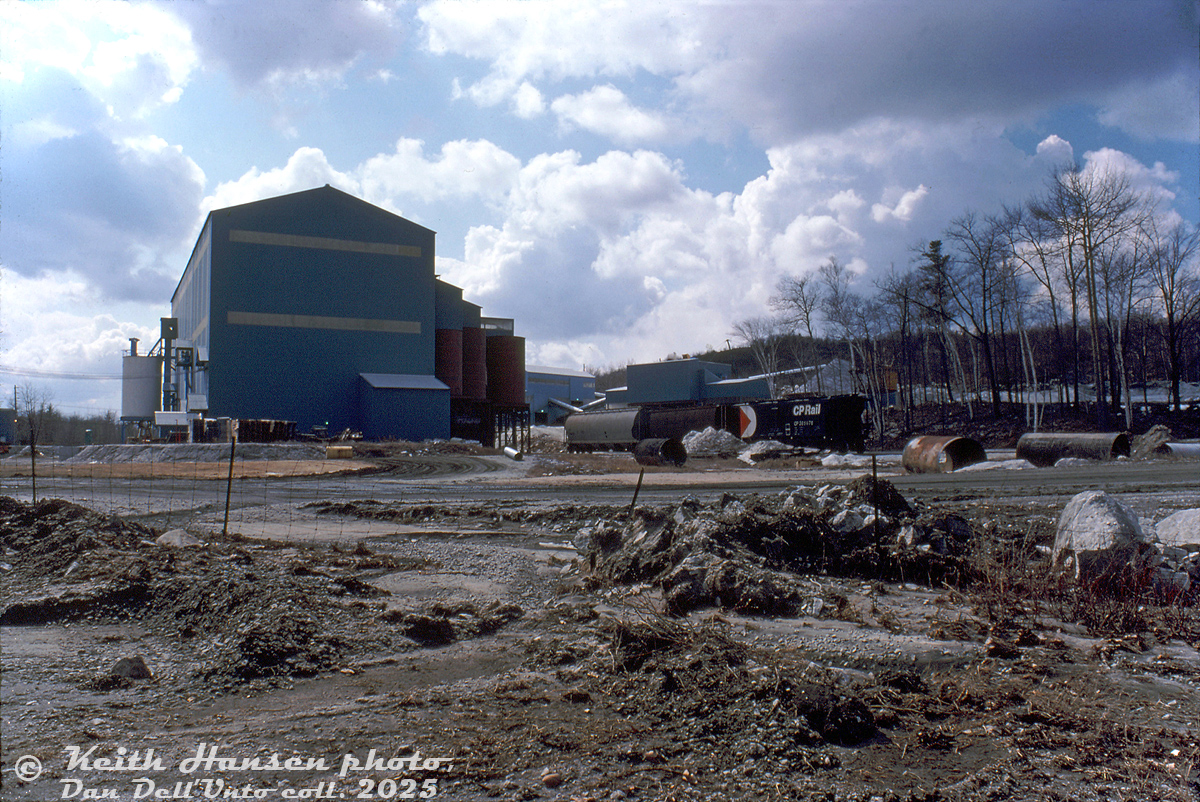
(51, 535)
(196, 452)
(251, 610)
(710, 689)
(879, 494)
(740, 553)
(442, 623)
(1146, 445)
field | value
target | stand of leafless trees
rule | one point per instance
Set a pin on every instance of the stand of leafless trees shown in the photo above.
(1085, 295)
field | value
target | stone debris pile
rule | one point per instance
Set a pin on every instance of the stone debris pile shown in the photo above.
(742, 553)
(1101, 540)
(251, 611)
(713, 443)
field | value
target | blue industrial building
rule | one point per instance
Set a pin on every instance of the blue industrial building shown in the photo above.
(320, 308)
(678, 381)
(573, 387)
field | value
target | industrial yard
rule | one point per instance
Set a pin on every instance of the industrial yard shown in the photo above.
(600, 401)
(539, 636)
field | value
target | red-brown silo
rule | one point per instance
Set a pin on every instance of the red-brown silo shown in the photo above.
(448, 359)
(506, 370)
(474, 363)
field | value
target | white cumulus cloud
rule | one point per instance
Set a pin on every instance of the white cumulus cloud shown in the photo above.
(903, 208)
(605, 110)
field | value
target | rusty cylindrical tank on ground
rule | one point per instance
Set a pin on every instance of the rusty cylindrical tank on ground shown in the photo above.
(941, 454)
(1045, 449)
(660, 451)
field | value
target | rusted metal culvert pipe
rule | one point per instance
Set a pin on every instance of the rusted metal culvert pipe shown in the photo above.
(941, 454)
(1179, 450)
(660, 451)
(1045, 449)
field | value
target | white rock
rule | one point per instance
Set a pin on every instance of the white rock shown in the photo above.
(1096, 532)
(178, 538)
(869, 521)
(1181, 529)
(847, 521)
(712, 442)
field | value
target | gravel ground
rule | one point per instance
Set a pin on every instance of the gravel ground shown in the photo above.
(488, 636)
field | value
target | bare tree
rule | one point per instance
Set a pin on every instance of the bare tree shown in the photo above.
(974, 282)
(1091, 212)
(1175, 277)
(797, 299)
(1032, 245)
(839, 307)
(1122, 275)
(33, 403)
(900, 292)
(763, 335)
(934, 302)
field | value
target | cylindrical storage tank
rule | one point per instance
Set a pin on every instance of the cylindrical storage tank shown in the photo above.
(141, 386)
(506, 370)
(941, 454)
(474, 363)
(612, 428)
(660, 451)
(448, 359)
(1043, 450)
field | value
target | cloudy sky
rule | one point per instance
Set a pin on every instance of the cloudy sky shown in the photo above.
(625, 179)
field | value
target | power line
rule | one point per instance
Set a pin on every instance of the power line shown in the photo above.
(48, 374)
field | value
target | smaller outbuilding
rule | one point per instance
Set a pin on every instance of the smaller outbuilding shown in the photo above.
(543, 385)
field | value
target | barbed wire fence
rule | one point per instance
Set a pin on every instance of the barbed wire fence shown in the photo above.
(246, 489)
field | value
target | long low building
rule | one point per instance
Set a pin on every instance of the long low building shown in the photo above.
(320, 308)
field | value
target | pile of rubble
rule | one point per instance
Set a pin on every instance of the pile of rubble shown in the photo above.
(743, 553)
(740, 553)
(1101, 540)
(251, 610)
(713, 443)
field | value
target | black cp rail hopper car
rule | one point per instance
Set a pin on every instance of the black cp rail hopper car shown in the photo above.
(835, 423)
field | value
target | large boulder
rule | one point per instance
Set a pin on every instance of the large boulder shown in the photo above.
(1179, 536)
(1181, 530)
(1099, 536)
